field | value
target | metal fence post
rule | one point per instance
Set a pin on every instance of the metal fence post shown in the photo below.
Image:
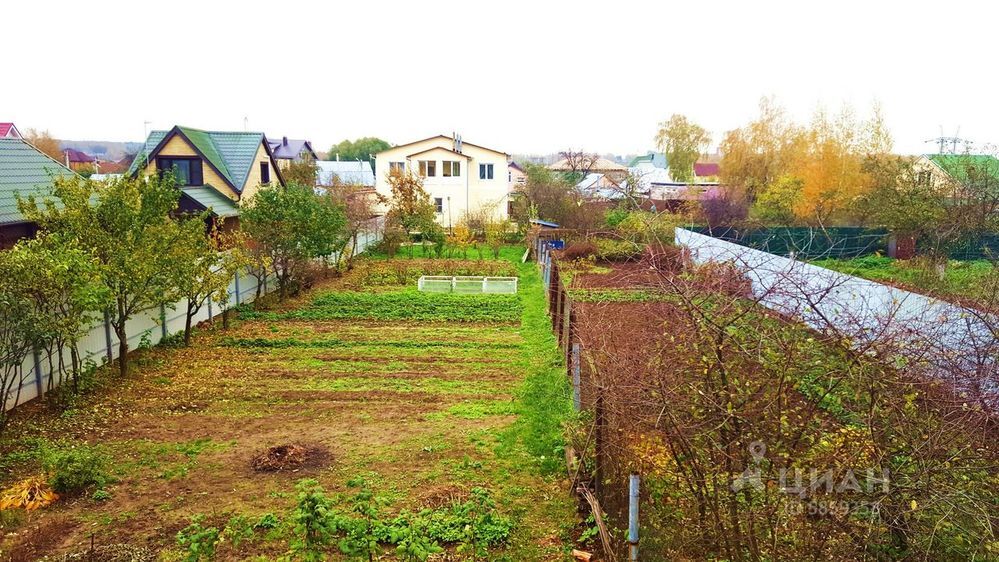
(576, 397)
(107, 335)
(633, 496)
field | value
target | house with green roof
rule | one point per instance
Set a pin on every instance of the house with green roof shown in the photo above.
(24, 171)
(215, 170)
(958, 172)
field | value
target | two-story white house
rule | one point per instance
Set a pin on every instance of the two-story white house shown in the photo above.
(459, 176)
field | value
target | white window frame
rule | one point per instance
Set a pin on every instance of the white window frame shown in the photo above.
(451, 169)
(428, 168)
(486, 172)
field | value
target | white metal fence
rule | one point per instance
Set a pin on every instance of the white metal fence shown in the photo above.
(100, 345)
(944, 334)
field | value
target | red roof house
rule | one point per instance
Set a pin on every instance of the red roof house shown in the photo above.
(9, 131)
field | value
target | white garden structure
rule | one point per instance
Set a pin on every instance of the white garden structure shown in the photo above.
(467, 284)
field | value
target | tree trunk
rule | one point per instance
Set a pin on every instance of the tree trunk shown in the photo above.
(191, 311)
(119, 331)
(225, 319)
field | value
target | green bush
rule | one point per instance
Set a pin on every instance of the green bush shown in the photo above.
(198, 541)
(609, 249)
(645, 227)
(75, 469)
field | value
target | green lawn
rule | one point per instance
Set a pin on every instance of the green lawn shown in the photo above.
(961, 279)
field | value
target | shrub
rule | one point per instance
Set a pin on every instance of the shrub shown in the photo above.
(667, 259)
(315, 521)
(75, 469)
(649, 228)
(579, 250)
(267, 521)
(198, 541)
(609, 249)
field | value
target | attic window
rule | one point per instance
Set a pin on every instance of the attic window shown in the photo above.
(186, 171)
(265, 172)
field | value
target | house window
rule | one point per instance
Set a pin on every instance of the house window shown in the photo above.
(428, 168)
(439, 204)
(509, 176)
(397, 167)
(265, 172)
(452, 168)
(923, 178)
(186, 171)
(485, 171)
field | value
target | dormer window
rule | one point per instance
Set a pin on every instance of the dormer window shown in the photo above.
(186, 170)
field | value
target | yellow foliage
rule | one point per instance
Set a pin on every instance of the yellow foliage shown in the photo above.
(30, 494)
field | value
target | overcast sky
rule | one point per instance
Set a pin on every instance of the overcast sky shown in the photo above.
(517, 76)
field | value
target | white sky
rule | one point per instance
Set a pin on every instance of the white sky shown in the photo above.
(518, 76)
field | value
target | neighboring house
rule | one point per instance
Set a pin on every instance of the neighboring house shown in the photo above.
(460, 176)
(24, 171)
(953, 172)
(706, 172)
(612, 171)
(516, 177)
(651, 160)
(214, 169)
(9, 131)
(356, 172)
(77, 160)
(288, 150)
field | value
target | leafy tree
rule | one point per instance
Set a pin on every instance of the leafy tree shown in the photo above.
(125, 224)
(63, 283)
(209, 264)
(44, 142)
(461, 239)
(292, 226)
(302, 172)
(411, 207)
(496, 232)
(18, 331)
(358, 203)
(759, 153)
(682, 141)
(548, 196)
(360, 149)
(777, 202)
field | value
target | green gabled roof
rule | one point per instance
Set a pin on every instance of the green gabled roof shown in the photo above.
(24, 171)
(231, 153)
(209, 198)
(202, 140)
(958, 166)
